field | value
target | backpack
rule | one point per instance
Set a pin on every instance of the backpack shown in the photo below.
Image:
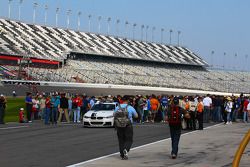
(174, 116)
(121, 119)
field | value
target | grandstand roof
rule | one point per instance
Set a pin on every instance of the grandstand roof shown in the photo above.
(18, 38)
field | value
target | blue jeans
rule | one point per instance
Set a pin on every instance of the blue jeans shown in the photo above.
(77, 114)
(46, 115)
(217, 114)
(245, 116)
(206, 114)
(175, 132)
(229, 116)
(54, 115)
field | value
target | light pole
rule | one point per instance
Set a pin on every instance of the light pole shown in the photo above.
(153, 29)
(224, 56)
(68, 13)
(162, 30)
(134, 25)
(142, 27)
(179, 32)
(235, 61)
(117, 27)
(246, 56)
(99, 24)
(212, 53)
(45, 14)
(19, 9)
(109, 19)
(57, 11)
(89, 16)
(126, 28)
(34, 12)
(78, 20)
(170, 34)
(9, 7)
(147, 33)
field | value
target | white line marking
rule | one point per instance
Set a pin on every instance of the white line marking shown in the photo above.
(15, 127)
(135, 148)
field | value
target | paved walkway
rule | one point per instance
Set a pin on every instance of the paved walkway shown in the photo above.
(212, 147)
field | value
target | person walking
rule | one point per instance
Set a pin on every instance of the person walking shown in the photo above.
(174, 120)
(125, 134)
(154, 104)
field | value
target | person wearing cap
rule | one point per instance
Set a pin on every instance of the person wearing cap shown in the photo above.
(2, 108)
(21, 116)
(228, 110)
(173, 118)
(125, 135)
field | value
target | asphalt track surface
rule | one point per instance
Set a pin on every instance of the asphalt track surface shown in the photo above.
(38, 145)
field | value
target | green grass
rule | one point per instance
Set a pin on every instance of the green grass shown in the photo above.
(12, 109)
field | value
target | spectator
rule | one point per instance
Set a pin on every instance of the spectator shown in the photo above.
(70, 102)
(248, 110)
(35, 108)
(14, 93)
(47, 110)
(139, 110)
(76, 105)
(21, 116)
(3, 102)
(125, 135)
(64, 105)
(92, 101)
(29, 104)
(200, 110)
(228, 110)
(207, 102)
(55, 105)
(245, 112)
(164, 105)
(154, 103)
(174, 120)
(42, 106)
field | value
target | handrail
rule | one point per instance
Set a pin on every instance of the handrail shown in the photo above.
(241, 149)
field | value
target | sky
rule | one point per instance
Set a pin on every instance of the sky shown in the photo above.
(217, 30)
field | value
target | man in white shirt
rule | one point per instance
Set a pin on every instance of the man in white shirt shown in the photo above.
(207, 102)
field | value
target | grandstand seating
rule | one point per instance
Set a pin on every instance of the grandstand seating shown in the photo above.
(18, 38)
(163, 65)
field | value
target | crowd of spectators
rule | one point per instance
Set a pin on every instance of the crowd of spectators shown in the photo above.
(55, 107)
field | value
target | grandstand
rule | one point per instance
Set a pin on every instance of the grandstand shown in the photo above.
(63, 55)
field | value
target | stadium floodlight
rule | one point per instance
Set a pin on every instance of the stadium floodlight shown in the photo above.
(142, 27)
(19, 9)
(68, 21)
(89, 16)
(99, 24)
(170, 36)
(224, 56)
(178, 37)
(134, 25)
(212, 53)
(34, 11)
(147, 27)
(126, 28)
(9, 7)
(45, 14)
(109, 19)
(153, 29)
(78, 20)
(162, 30)
(246, 56)
(57, 11)
(117, 27)
(235, 61)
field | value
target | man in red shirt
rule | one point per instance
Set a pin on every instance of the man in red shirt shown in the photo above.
(21, 116)
(76, 106)
(245, 110)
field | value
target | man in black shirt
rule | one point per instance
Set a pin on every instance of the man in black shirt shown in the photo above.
(64, 105)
